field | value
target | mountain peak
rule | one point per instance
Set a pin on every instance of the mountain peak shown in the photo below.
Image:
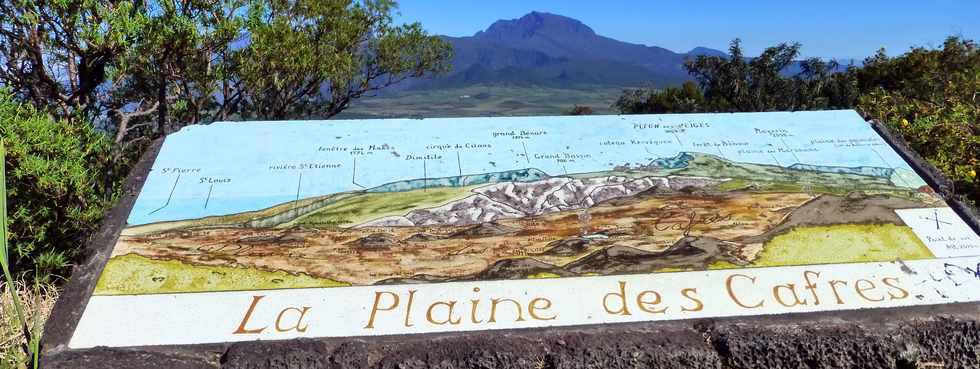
(536, 23)
(701, 50)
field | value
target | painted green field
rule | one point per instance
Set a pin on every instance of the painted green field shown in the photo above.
(367, 206)
(133, 274)
(847, 243)
(714, 166)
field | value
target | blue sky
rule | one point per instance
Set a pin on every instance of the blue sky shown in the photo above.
(829, 28)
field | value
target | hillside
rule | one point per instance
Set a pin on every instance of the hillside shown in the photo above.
(517, 99)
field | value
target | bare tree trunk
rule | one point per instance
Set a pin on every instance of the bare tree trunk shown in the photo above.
(162, 128)
(224, 99)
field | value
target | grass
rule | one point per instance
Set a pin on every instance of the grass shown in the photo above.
(18, 330)
(134, 274)
(37, 303)
(373, 205)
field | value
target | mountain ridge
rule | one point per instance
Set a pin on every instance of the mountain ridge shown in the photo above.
(552, 50)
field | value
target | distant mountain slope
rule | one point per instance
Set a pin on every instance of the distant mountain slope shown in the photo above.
(556, 51)
(708, 165)
(864, 171)
(519, 175)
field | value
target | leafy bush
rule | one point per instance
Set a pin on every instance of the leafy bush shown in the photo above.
(684, 99)
(56, 185)
(931, 97)
(580, 110)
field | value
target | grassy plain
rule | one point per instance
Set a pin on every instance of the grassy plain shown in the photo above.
(134, 274)
(846, 243)
(483, 101)
(367, 206)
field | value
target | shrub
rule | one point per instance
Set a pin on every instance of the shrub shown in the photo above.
(930, 97)
(684, 99)
(56, 185)
(580, 110)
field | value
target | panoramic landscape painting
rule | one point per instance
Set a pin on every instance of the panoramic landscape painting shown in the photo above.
(582, 209)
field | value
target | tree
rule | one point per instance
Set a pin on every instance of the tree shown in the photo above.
(140, 69)
(177, 72)
(821, 85)
(312, 57)
(737, 83)
(56, 54)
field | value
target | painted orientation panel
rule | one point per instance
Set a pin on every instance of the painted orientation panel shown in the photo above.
(272, 230)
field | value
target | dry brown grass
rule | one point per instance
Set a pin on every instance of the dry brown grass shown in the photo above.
(37, 305)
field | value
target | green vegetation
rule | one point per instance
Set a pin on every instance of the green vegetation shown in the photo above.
(579, 110)
(687, 98)
(929, 96)
(55, 192)
(31, 334)
(363, 207)
(848, 243)
(313, 57)
(134, 274)
(144, 68)
(483, 101)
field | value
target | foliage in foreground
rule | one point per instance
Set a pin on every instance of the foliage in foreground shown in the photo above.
(929, 96)
(932, 97)
(56, 195)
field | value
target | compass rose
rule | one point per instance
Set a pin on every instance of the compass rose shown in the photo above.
(936, 218)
